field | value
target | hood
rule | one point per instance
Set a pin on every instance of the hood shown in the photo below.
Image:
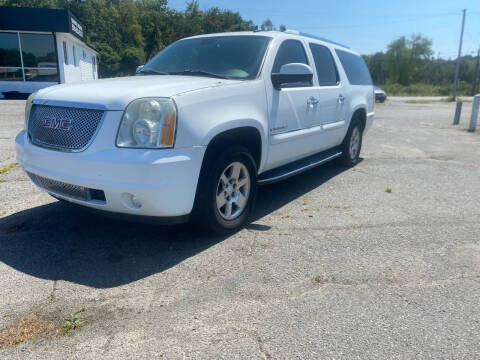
(117, 93)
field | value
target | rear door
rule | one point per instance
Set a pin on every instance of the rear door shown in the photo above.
(331, 97)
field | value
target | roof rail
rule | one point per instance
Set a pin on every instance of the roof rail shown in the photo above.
(322, 39)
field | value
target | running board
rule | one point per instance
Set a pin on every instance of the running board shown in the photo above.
(298, 166)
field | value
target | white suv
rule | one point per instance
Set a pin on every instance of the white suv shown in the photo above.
(200, 126)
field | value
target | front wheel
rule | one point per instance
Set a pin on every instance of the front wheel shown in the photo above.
(226, 191)
(352, 144)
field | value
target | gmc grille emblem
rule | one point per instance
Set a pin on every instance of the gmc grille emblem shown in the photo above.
(54, 123)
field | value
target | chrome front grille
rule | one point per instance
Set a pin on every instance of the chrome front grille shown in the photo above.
(60, 188)
(63, 128)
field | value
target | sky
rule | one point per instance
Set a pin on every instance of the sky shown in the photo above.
(366, 26)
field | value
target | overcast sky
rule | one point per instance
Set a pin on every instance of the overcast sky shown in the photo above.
(366, 26)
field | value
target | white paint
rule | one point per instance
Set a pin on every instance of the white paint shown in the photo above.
(165, 181)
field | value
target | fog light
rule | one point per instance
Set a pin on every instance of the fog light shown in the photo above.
(131, 201)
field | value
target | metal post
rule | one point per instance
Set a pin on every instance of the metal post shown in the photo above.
(457, 69)
(475, 75)
(458, 111)
(473, 119)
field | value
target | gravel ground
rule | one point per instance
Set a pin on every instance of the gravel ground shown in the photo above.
(332, 265)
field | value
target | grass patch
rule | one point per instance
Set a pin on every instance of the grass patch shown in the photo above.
(388, 190)
(286, 216)
(420, 101)
(344, 207)
(72, 322)
(26, 328)
(419, 89)
(7, 168)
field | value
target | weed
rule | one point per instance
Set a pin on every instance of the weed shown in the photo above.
(344, 207)
(25, 328)
(3, 213)
(388, 190)
(2, 181)
(286, 216)
(71, 323)
(8, 167)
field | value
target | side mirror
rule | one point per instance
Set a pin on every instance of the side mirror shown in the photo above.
(292, 73)
(140, 67)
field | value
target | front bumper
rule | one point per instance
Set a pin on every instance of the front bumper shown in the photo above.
(163, 181)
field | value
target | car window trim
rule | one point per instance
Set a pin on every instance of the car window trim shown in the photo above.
(306, 58)
(339, 80)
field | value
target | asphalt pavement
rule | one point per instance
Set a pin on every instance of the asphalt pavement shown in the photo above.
(378, 261)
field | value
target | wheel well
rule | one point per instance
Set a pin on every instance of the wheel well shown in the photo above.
(248, 136)
(361, 115)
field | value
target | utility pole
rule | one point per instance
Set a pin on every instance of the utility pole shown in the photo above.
(457, 69)
(476, 80)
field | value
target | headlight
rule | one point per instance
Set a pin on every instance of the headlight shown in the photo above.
(148, 123)
(28, 107)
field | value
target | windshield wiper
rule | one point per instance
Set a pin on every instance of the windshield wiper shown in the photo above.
(152, 72)
(198, 72)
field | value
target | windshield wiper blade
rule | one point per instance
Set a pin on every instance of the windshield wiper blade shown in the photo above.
(198, 72)
(152, 72)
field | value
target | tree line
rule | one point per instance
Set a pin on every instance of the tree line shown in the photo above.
(408, 67)
(127, 33)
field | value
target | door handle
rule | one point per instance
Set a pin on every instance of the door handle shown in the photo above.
(341, 98)
(312, 101)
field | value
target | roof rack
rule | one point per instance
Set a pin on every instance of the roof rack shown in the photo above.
(296, 32)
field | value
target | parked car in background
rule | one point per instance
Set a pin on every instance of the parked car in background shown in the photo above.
(380, 95)
(200, 126)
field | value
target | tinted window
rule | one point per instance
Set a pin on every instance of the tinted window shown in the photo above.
(291, 51)
(9, 50)
(236, 57)
(355, 67)
(326, 69)
(9, 74)
(47, 74)
(38, 50)
(65, 53)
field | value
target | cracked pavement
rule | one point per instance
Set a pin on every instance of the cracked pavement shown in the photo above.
(331, 266)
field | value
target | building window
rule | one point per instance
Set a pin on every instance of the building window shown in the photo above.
(65, 52)
(74, 55)
(94, 63)
(9, 50)
(10, 60)
(39, 57)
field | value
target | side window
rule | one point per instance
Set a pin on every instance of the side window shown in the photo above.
(291, 51)
(74, 55)
(355, 68)
(93, 66)
(326, 70)
(65, 52)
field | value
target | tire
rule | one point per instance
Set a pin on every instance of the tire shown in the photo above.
(352, 144)
(226, 190)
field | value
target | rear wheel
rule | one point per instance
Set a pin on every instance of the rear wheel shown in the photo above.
(352, 144)
(226, 191)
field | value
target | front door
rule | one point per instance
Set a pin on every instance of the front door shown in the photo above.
(293, 111)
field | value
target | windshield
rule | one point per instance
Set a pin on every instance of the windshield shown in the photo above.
(230, 57)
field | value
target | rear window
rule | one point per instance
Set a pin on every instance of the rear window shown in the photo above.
(326, 70)
(355, 68)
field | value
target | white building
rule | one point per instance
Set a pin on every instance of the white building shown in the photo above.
(40, 48)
